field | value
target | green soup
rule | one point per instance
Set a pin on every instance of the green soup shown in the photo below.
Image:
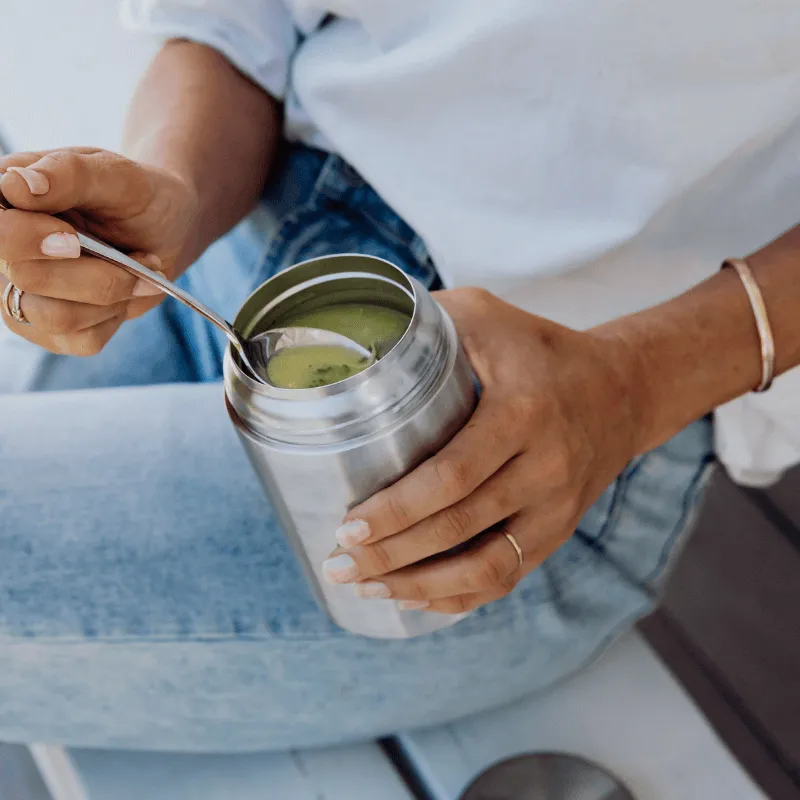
(375, 327)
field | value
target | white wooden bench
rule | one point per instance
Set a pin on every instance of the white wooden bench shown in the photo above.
(338, 774)
(626, 712)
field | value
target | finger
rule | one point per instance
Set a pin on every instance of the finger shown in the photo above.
(466, 306)
(83, 343)
(28, 236)
(89, 342)
(142, 305)
(64, 316)
(477, 452)
(82, 280)
(475, 313)
(494, 501)
(22, 159)
(78, 178)
(26, 158)
(462, 604)
(490, 565)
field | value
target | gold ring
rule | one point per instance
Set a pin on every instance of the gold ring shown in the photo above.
(12, 298)
(517, 548)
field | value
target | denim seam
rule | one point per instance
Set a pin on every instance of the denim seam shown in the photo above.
(681, 527)
(420, 251)
(620, 490)
(262, 259)
(270, 262)
(576, 571)
(688, 507)
(621, 485)
(390, 234)
(325, 187)
(582, 559)
(325, 184)
(600, 649)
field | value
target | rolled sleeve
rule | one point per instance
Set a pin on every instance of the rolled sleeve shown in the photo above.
(257, 36)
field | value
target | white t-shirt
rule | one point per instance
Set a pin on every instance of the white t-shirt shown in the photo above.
(581, 159)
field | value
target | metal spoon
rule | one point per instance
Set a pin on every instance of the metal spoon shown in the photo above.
(255, 352)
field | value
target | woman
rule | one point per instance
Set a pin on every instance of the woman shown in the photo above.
(580, 162)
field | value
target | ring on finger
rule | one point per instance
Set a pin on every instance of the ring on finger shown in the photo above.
(12, 300)
(515, 544)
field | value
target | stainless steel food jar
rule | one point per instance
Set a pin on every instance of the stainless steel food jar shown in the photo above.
(318, 452)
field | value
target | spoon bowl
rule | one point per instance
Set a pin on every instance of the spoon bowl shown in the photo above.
(264, 346)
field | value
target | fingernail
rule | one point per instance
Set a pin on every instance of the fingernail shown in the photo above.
(144, 288)
(352, 533)
(151, 261)
(340, 569)
(37, 183)
(61, 245)
(412, 605)
(372, 589)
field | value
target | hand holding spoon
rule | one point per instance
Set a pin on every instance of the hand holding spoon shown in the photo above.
(255, 353)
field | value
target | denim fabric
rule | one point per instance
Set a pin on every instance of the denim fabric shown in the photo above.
(147, 596)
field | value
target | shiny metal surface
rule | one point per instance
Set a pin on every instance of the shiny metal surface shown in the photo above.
(320, 451)
(12, 299)
(546, 776)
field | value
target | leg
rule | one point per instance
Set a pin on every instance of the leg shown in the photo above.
(158, 606)
(148, 599)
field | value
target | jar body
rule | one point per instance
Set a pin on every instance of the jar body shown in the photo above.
(317, 453)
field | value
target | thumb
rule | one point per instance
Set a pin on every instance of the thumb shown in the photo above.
(475, 313)
(468, 308)
(97, 181)
(145, 295)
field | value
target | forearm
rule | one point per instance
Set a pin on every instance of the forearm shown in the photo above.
(702, 349)
(195, 115)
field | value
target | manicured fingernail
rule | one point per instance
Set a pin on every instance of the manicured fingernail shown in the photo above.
(353, 533)
(151, 261)
(340, 569)
(144, 288)
(412, 605)
(372, 589)
(37, 183)
(61, 245)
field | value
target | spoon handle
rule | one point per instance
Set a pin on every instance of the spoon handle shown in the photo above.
(99, 249)
(96, 247)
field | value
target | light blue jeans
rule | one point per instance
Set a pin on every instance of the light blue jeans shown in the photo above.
(147, 596)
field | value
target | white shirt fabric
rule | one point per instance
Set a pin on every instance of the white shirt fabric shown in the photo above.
(580, 159)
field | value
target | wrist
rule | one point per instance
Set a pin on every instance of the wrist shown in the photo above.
(183, 212)
(690, 355)
(195, 116)
(626, 361)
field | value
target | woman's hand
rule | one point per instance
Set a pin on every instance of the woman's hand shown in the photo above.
(555, 425)
(75, 303)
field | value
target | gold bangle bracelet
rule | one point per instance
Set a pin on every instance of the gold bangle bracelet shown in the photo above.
(762, 320)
